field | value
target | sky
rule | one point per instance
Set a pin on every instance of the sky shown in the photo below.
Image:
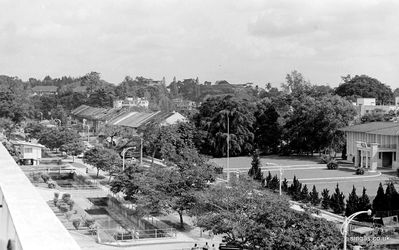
(239, 41)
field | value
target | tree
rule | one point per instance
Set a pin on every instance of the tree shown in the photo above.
(255, 171)
(337, 201)
(102, 158)
(365, 86)
(304, 197)
(101, 98)
(214, 116)
(391, 197)
(74, 148)
(364, 205)
(379, 200)
(111, 132)
(326, 200)
(261, 219)
(267, 128)
(295, 189)
(7, 126)
(274, 183)
(162, 190)
(267, 180)
(314, 197)
(352, 203)
(284, 185)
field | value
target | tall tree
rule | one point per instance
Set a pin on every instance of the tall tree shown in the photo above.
(267, 128)
(365, 86)
(314, 197)
(352, 203)
(255, 171)
(364, 205)
(379, 201)
(326, 199)
(338, 201)
(102, 159)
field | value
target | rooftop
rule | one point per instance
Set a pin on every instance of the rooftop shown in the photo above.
(379, 128)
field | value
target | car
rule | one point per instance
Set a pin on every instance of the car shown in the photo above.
(80, 155)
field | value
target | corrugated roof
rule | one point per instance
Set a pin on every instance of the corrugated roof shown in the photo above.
(132, 119)
(378, 128)
(368, 127)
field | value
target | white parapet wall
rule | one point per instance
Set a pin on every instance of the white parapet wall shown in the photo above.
(26, 221)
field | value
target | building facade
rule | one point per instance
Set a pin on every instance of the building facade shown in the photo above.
(373, 145)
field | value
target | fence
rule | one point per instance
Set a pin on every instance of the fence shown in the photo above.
(112, 235)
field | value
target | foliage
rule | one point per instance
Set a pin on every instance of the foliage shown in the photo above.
(352, 203)
(76, 223)
(274, 183)
(314, 197)
(304, 196)
(255, 171)
(267, 180)
(284, 185)
(360, 171)
(337, 201)
(162, 190)
(295, 189)
(333, 164)
(51, 184)
(267, 129)
(258, 219)
(326, 199)
(56, 137)
(45, 177)
(74, 148)
(364, 205)
(102, 159)
(379, 200)
(213, 116)
(364, 86)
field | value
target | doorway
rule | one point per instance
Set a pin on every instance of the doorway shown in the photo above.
(387, 159)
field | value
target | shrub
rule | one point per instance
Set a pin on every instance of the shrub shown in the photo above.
(55, 202)
(56, 195)
(66, 197)
(325, 159)
(51, 184)
(219, 170)
(76, 223)
(89, 222)
(64, 208)
(45, 177)
(359, 171)
(332, 164)
(70, 203)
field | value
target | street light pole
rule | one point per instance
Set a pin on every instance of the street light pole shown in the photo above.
(141, 151)
(228, 148)
(281, 175)
(347, 221)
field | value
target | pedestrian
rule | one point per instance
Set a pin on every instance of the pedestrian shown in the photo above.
(206, 246)
(213, 247)
(195, 247)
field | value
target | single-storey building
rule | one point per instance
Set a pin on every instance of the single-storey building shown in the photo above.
(373, 145)
(28, 151)
(44, 90)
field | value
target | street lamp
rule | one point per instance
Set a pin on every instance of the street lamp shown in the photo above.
(345, 224)
(281, 177)
(88, 136)
(228, 148)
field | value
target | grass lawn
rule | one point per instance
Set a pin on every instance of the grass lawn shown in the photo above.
(270, 160)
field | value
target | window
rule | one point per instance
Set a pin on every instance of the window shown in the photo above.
(28, 150)
(379, 155)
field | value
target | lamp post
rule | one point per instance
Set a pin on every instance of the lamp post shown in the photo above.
(141, 151)
(347, 221)
(281, 176)
(88, 136)
(228, 148)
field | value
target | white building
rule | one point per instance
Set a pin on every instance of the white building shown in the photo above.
(29, 151)
(132, 102)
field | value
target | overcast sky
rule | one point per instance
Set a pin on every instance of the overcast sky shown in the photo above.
(239, 41)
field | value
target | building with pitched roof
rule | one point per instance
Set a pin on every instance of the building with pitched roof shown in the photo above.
(373, 145)
(44, 90)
